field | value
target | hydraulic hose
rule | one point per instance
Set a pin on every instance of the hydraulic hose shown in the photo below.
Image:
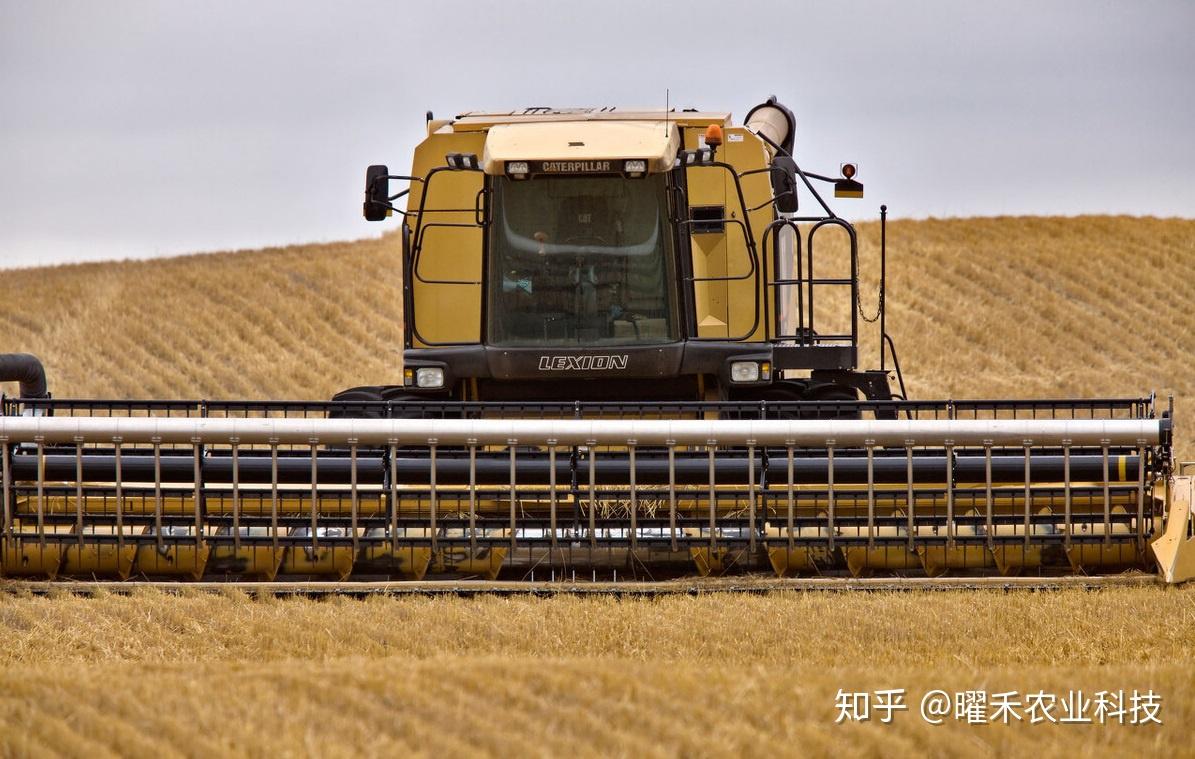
(27, 370)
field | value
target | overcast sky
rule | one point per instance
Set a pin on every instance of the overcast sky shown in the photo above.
(134, 129)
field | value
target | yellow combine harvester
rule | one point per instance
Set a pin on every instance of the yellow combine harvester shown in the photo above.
(625, 357)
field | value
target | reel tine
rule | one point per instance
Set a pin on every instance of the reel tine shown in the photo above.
(1107, 496)
(949, 494)
(236, 494)
(41, 492)
(314, 496)
(592, 497)
(354, 502)
(197, 475)
(552, 497)
(119, 497)
(987, 491)
(6, 464)
(393, 495)
(79, 490)
(1028, 490)
(160, 545)
(634, 497)
(672, 493)
(791, 495)
(1141, 495)
(830, 493)
(1066, 486)
(274, 493)
(871, 494)
(472, 497)
(911, 501)
(511, 444)
(711, 446)
(751, 494)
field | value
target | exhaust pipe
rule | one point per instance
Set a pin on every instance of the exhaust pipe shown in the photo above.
(776, 122)
(27, 370)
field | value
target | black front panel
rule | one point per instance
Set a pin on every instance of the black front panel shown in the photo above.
(613, 362)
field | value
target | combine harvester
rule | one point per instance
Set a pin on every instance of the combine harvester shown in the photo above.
(625, 359)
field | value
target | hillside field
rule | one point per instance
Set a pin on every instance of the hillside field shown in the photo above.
(990, 307)
(1003, 307)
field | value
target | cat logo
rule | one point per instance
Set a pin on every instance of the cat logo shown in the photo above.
(582, 363)
(573, 167)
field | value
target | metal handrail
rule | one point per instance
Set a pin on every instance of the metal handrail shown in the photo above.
(590, 432)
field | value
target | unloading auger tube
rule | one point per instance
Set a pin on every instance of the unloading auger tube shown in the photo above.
(326, 498)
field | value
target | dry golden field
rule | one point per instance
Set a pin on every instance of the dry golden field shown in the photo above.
(676, 676)
(1003, 307)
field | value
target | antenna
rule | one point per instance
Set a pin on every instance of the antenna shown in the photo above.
(666, 95)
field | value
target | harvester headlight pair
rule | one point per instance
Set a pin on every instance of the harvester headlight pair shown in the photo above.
(696, 157)
(462, 161)
(427, 377)
(750, 371)
(517, 169)
(635, 168)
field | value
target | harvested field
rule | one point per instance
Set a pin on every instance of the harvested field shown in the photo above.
(203, 673)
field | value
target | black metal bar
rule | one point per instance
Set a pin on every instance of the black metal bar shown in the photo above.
(671, 493)
(6, 465)
(255, 472)
(634, 495)
(883, 288)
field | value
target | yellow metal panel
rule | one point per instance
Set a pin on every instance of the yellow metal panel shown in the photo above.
(173, 560)
(746, 152)
(447, 313)
(323, 560)
(886, 558)
(484, 562)
(410, 563)
(1174, 550)
(717, 561)
(29, 558)
(255, 561)
(707, 187)
(727, 308)
(98, 560)
(1012, 559)
(785, 562)
(937, 559)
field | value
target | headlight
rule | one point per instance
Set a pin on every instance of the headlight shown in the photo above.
(429, 376)
(517, 169)
(744, 371)
(635, 167)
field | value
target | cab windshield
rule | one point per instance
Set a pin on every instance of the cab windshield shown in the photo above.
(580, 260)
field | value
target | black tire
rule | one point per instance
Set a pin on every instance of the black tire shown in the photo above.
(369, 399)
(833, 395)
(366, 403)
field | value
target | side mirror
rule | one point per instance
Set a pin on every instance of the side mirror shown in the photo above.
(784, 183)
(377, 193)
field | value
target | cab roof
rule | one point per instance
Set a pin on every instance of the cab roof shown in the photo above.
(594, 143)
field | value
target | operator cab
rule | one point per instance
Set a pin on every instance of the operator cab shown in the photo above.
(609, 255)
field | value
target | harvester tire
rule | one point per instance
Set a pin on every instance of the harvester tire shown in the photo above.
(833, 393)
(369, 395)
